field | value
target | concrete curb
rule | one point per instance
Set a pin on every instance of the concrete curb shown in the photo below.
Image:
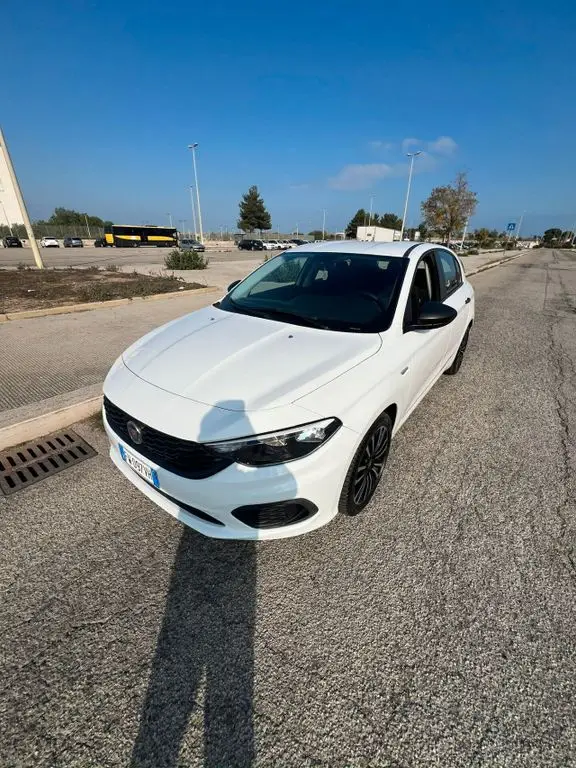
(31, 429)
(493, 264)
(68, 308)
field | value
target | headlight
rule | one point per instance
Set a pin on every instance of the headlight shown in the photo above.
(277, 447)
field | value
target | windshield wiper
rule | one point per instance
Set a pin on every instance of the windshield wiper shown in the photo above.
(272, 313)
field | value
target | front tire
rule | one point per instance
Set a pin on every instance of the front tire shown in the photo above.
(367, 467)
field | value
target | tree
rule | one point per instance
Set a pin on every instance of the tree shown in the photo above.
(390, 221)
(485, 238)
(316, 234)
(552, 236)
(423, 229)
(360, 219)
(253, 213)
(448, 208)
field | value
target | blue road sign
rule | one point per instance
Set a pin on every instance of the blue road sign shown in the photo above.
(511, 227)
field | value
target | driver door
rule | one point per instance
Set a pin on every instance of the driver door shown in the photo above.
(426, 350)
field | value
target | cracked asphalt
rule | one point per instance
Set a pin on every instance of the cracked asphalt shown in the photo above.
(436, 629)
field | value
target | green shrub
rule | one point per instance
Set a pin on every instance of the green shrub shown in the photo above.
(112, 268)
(473, 252)
(185, 260)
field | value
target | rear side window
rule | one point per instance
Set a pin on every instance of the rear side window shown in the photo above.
(450, 274)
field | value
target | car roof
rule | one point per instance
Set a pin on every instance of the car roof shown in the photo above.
(396, 249)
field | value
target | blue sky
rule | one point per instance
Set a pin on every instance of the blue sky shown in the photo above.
(312, 101)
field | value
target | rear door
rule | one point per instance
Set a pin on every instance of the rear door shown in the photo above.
(456, 293)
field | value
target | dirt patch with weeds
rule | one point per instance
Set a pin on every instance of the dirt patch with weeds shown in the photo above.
(24, 289)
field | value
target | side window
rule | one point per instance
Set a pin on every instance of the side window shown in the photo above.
(450, 275)
(425, 287)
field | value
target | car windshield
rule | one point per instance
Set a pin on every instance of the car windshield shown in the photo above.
(350, 292)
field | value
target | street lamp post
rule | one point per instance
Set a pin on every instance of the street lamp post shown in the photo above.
(411, 155)
(464, 233)
(169, 218)
(370, 214)
(520, 225)
(193, 212)
(193, 148)
(323, 223)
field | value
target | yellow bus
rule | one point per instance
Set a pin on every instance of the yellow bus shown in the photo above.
(133, 236)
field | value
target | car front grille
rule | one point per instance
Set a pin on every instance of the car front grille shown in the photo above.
(182, 457)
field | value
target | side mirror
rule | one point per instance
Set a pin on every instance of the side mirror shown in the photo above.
(433, 314)
(233, 285)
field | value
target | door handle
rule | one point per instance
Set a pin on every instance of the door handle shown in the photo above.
(468, 300)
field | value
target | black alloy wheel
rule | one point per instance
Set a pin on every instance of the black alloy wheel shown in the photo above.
(455, 367)
(367, 467)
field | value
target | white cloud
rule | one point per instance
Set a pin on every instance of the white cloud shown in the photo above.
(360, 176)
(385, 145)
(443, 145)
(409, 144)
(365, 175)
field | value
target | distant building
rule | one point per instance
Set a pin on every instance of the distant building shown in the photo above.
(9, 209)
(377, 234)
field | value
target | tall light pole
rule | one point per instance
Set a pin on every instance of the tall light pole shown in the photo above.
(21, 203)
(323, 223)
(464, 233)
(411, 155)
(193, 212)
(169, 218)
(370, 214)
(520, 225)
(193, 148)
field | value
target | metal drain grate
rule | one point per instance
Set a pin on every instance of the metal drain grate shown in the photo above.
(26, 464)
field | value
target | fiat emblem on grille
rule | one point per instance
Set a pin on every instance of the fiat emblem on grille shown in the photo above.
(135, 432)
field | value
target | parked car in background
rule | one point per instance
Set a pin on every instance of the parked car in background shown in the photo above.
(249, 244)
(269, 245)
(100, 242)
(11, 242)
(285, 244)
(189, 244)
(298, 241)
(73, 242)
(49, 242)
(270, 412)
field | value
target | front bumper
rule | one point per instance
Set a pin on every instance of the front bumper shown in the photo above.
(316, 478)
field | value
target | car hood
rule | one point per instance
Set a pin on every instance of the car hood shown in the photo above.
(239, 362)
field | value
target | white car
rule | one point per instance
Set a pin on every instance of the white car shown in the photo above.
(49, 242)
(269, 245)
(287, 244)
(270, 412)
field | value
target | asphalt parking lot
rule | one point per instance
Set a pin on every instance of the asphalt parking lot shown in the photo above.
(436, 629)
(90, 256)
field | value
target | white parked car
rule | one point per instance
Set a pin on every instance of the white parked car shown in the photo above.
(269, 245)
(270, 412)
(49, 242)
(287, 244)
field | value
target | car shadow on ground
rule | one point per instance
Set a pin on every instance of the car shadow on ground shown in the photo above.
(207, 633)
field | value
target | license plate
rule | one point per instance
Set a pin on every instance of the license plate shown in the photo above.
(140, 467)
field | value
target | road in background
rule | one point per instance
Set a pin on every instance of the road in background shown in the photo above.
(437, 628)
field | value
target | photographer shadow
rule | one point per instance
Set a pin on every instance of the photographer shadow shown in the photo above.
(207, 634)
